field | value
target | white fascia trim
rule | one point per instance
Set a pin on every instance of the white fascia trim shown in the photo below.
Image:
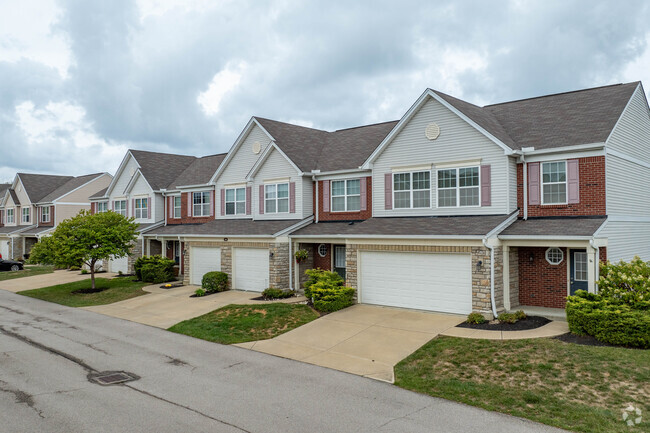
(303, 223)
(545, 237)
(479, 237)
(260, 161)
(628, 219)
(563, 149)
(73, 203)
(152, 226)
(602, 226)
(628, 158)
(629, 102)
(134, 179)
(323, 175)
(202, 185)
(119, 171)
(14, 185)
(501, 227)
(240, 139)
(194, 235)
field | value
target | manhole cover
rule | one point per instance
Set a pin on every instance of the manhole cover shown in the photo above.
(112, 377)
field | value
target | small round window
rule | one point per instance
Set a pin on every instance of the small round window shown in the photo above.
(322, 250)
(554, 256)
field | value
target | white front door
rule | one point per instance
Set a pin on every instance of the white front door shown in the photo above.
(202, 261)
(423, 281)
(119, 265)
(251, 269)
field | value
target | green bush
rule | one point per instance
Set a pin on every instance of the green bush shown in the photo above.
(84, 271)
(475, 318)
(155, 269)
(215, 281)
(272, 293)
(329, 298)
(323, 278)
(609, 320)
(507, 318)
(520, 315)
(627, 282)
(199, 292)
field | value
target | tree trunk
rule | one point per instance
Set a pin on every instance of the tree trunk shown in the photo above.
(92, 274)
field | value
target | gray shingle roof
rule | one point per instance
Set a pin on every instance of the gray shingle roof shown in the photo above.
(160, 169)
(100, 194)
(14, 197)
(6, 230)
(562, 227)
(34, 230)
(226, 228)
(407, 226)
(3, 188)
(199, 172)
(38, 186)
(70, 185)
(312, 149)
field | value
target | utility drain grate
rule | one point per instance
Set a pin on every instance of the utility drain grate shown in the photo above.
(112, 377)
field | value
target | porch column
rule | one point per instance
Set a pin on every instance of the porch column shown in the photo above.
(506, 277)
(592, 262)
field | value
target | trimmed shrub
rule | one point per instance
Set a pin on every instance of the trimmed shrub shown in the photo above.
(272, 293)
(331, 298)
(141, 261)
(323, 278)
(475, 318)
(199, 292)
(507, 318)
(520, 315)
(215, 281)
(626, 282)
(155, 269)
(609, 320)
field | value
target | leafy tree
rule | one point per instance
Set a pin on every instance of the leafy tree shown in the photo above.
(86, 239)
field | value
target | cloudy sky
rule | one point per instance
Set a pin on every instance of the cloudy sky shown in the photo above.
(82, 81)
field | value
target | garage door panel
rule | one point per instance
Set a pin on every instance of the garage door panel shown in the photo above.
(436, 282)
(251, 269)
(4, 249)
(202, 261)
(119, 265)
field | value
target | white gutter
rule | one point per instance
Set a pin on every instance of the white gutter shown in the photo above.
(525, 166)
(166, 211)
(353, 236)
(347, 171)
(290, 265)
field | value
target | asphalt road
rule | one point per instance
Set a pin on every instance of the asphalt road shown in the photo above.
(48, 352)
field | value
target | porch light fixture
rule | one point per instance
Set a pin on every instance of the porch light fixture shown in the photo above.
(531, 257)
(479, 264)
(225, 239)
(271, 254)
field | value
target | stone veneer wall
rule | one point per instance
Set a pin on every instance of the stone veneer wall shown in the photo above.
(155, 248)
(136, 253)
(514, 277)
(17, 253)
(480, 277)
(307, 264)
(29, 244)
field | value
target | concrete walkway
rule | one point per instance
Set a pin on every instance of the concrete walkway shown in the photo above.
(163, 308)
(46, 280)
(362, 339)
(551, 329)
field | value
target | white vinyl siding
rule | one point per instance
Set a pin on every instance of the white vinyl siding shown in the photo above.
(627, 188)
(276, 166)
(512, 181)
(626, 240)
(124, 179)
(631, 134)
(458, 141)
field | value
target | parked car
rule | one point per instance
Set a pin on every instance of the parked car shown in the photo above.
(10, 265)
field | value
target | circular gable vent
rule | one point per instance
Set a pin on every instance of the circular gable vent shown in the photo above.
(432, 131)
(257, 147)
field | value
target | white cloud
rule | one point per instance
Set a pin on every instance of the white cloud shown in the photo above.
(222, 83)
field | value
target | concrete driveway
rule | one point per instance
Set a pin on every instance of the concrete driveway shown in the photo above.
(46, 280)
(363, 339)
(163, 308)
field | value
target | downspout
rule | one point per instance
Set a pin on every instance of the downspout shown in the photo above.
(525, 167)
(313, 178)
(597, 271)
(494, 308)
(165, 210)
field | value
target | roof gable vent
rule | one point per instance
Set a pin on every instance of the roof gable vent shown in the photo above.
(257, 147)
(432, 131)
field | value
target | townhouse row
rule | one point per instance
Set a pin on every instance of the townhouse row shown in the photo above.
(453, 208)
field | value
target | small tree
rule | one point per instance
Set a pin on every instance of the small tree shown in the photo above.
(86, 239)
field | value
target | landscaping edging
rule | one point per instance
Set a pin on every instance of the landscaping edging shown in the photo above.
(530, 322)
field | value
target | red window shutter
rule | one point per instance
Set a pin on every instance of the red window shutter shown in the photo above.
(223, 202)
(326, 196)
(486, 199)
(292, 197)
(149, 202)
(92, 208)
(533, 183)
(212, 204)
(573, 180)
(363, 183)
(249, 191)
(261, 200)
(388, 191)
(189, 204)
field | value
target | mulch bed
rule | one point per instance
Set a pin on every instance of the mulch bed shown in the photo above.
(124, 275)
(263, 298)
(86, 291)
(206, 294)
(530, 322)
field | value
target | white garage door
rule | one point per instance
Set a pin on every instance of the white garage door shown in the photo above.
(435, 282)
(202, 261)
(119, 265)
(251, 269)
(4, 249)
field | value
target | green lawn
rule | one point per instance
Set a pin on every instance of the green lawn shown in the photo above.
(29, 271)
(240, 323)
(111, 290)
(578, 388)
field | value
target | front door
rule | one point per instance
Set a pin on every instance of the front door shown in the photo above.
(339, 260)
(578, 276)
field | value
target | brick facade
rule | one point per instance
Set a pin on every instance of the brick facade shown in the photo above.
(343, 216)
(306, 264)
(185, 212)
(322, 262)
(592, 192)
(540, 283)
(514, 277)
(50, 223)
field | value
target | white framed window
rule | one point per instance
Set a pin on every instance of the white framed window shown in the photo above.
(25, 214)
(102, 206)
(177, 207)
(10, 216)
(580, 266)
(322, 250)
(412, 190)
(554, 256)
(201, 203)
(119, 206)
(458, 187)
(45, 214)
(235, 201)
(346, 195)
(554, 182)
(141, 210)
(276, 198)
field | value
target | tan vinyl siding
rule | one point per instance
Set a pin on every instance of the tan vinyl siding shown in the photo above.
(307, 196)
(512, 182)
(241, 163)
(66, 211)
(158, 211)
(276, 166)
(626, 240)
(458, 141)
(627, 188)
(631, 135)
(81, 195)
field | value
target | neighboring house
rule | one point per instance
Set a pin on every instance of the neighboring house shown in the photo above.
(34, 204)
